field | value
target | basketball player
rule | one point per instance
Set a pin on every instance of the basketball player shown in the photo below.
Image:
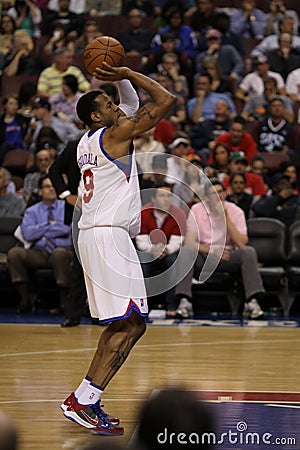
(110, 218)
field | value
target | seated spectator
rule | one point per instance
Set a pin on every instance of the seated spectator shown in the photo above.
(289, 170)
(248, 21)
(13, 126)
(162, 233)
(154, 62)
(43, 160)
(179, 149)
(256, 107)
(238, 163)
(57, 40)
(219, 168)
(135, 39)
(277, 12)
(191, 189)
(275, 134)
(72, 22)
(144, 6)
(11, 205)
(283, 204)
(63, 104)
(253, 83)
(226, 250)
(203, 134)
(42, 112)
(202, 105)
(90, 32)
(7, 29)
(42, 226)
(258, 167)
(220, 83)
(203, 16)
(285, 59)
(229, 37)
(227, 56)
(27, 16)
(170, 64)
(146, 147)
(26, 95)
(238, 140)
(21, 60)
(185, 36)
(293, 85)
(286, 25)
(50, 79)
(238, 194)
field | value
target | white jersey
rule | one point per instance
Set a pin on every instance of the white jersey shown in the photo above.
(111, 195)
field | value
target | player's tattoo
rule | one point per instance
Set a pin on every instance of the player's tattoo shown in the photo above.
(118, 360)
(138, 116)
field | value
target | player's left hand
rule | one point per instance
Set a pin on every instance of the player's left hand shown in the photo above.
(110, 73)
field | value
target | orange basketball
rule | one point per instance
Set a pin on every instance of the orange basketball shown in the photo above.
(103, 48)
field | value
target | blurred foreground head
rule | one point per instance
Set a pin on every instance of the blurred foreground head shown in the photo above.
(8, 433)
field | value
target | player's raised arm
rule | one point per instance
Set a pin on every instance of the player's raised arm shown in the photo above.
(150, 114)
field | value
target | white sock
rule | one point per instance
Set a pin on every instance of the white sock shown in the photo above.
(91, 395)
(82, 387)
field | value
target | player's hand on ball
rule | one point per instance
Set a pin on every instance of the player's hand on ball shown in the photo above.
(110, 73)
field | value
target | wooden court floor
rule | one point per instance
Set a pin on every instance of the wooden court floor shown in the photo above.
(42, 364)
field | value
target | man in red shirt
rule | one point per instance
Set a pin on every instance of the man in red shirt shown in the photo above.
(163, 228)
(254, 183)
(237, 140)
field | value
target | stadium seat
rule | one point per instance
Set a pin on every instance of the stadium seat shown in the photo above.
(11, 85)
(293, 263)
(15, 161)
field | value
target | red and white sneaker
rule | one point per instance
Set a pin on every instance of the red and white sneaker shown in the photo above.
(72, 399)
(92, 417)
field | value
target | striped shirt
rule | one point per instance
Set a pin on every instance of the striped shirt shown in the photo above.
(50, 79)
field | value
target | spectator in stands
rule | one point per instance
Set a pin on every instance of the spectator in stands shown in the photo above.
(145, 148)
(284, 59)
(27, 94)
(191, 190)
(274, 133)
(179, 149)
(219, 168)
(220, 83)
(184, 34)
(286, 25)
(11, 205)
(13, 126)
(238, 163)
(257, 106)
(293, 85)
(43, 160)
(135, 39)
(7, 29)
(21, 60)
(238, 194)
(283, 204)
(202, 106)
(203, 134)
(227, 56)
(203, 17)
(163, 8)
(155, 177)
(50, 80)
(227, 249)
(27, 16)
(229, 37)
(8, 433)
(42, 226)
(253, 82)
(144, 6)
(64, 103)
(290, 170)
(72, 22)
(90, 32)
(42, 112)
(58, 39)
(258, 167)
(238, 140)
(277, 12)
(248, 20)
(159, 241)
(170, 64)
